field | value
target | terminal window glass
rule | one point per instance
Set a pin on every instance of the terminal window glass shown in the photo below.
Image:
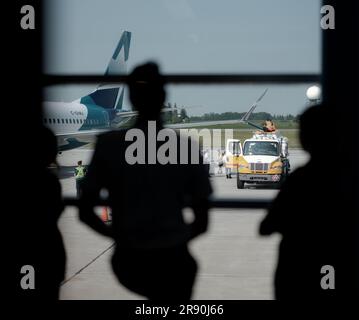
(202, 36)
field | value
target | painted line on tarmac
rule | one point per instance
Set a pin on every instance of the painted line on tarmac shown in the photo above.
(87, 265)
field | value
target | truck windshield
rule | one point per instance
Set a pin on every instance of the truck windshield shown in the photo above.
(264, 148)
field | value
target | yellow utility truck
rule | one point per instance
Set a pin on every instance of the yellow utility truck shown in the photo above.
(262, 159)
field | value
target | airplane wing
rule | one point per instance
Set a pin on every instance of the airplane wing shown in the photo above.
(200, 124)
(69, 140)
(79, 134)
(127, 114)
(90, 135)
(244, 119)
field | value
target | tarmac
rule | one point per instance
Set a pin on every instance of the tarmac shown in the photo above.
(235, 263)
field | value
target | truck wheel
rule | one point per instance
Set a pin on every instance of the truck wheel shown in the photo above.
(240, 184)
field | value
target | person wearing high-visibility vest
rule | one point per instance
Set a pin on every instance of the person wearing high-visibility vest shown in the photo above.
(80, 172)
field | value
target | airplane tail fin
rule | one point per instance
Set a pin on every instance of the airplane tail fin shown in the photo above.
(110, 96)
(117, 64)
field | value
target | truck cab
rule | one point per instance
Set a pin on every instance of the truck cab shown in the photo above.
(263, 160)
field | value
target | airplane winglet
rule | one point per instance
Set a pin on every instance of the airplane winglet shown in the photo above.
(254, 105)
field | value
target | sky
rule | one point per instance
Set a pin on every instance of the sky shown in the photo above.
(189, 36)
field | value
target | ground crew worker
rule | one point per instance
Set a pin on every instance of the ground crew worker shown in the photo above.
(80, 172)
(268, 126)
(207, 161)
(221, 162)
(226, 165)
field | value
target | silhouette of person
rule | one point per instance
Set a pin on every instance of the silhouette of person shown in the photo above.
(304, 215)
(151, 256)
(52, 263)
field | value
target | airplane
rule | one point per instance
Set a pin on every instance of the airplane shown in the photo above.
(77, 123)
(97, 112)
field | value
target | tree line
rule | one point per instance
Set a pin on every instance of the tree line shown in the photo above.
(261, 116)
(179, 114)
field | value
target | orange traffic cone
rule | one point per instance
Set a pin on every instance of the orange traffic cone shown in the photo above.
(104, 214)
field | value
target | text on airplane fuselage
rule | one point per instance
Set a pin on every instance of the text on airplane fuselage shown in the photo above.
(77, 113)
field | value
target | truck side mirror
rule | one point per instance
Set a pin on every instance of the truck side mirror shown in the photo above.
(235, 149)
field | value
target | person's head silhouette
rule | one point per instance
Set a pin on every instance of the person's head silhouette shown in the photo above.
(147, 92)
(311, 129)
